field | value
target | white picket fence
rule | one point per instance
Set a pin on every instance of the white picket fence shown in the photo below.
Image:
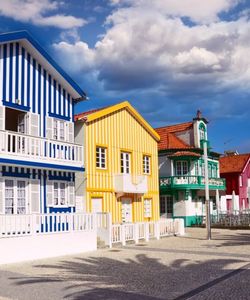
(122, 233)
(23, 225)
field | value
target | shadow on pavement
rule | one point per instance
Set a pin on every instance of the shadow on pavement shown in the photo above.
(140, 278)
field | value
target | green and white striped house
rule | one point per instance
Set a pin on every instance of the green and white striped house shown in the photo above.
(182, 171)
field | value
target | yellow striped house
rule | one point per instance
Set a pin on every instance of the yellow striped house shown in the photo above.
(121, 164)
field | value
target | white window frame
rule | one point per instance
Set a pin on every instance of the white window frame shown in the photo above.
(147, 208)
(180, 163)
(125, 159)
(101, 157)
(59, 183)
(146, 164)
(59, 125)
(15, 194)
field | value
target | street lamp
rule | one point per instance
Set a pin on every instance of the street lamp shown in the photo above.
(208, 224)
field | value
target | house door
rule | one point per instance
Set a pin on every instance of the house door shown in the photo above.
(96, 205)
(126, 210)
(166, 206)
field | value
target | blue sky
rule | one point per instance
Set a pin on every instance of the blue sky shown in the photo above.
(167, 57)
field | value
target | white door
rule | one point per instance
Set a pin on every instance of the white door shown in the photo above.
(126, 210)
(96, 205)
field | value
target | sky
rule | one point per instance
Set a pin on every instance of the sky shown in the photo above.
(168, 58)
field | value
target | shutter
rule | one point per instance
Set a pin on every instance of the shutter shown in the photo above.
(35, 196)
(34, 124)
(71, 193)
(49, 127)
(71, 132)
(2, 117)
(49, 193)
(1, 196)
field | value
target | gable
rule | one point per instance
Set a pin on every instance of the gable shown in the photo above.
(28, 85)
(108, 111)
(43, 58)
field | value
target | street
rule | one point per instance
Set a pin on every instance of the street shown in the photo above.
(188, 267)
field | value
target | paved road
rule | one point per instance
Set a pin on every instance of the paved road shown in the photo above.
(172, 268)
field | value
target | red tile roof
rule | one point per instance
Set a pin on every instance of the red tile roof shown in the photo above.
(233, 163)
(185, 153)
(89, 112)
(177, 127)
(169, 140)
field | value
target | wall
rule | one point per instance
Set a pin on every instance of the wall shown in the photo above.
(24, 78)
(120, 131)
(164, 166)
(18, 249)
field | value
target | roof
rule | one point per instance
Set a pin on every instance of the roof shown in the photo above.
(95, 114)
(177, 127)
(39, 53)
(185, 153)
(169, 140)
(233, 163)
(82, 115)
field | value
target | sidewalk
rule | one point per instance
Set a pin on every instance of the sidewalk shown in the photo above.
(188, 267)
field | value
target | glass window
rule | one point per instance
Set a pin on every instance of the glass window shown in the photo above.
(21, 203)
(101, 157)
(146, 164)
(58, 130)
(181, 168)
(9, 196)
(60, 193)
(125, 162)
(15, 196)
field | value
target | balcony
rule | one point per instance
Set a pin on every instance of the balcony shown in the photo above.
(191, 182)
(127, 183)
(41, 152)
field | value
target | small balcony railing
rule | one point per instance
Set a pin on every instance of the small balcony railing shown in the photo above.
(191, 182)
(128, 183)
(15, 145)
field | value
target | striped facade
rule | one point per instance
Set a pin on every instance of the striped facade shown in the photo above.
(38, 157)
(28, 86)
(119, 129)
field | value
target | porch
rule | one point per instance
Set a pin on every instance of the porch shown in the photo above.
(22, 147)
(191, 182)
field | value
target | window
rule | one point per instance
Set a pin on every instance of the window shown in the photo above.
(101, 157)
(9, 197)
(181, 168)
(60, 194)
(58, 130)
(203, 169)
(21, 204)
(147, 208)
(202, 131)
(146, 164)
(125, 162)
(15, 196)
(240, 180)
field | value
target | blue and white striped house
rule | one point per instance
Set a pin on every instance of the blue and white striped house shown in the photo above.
(38, 156)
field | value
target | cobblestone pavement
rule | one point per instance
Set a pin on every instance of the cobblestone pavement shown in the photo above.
(188, 267)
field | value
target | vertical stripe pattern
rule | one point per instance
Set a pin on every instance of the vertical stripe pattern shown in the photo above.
(23, 84)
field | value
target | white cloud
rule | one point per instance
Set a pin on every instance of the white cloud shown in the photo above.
(197, 10)
(34, 11)
(143, 48)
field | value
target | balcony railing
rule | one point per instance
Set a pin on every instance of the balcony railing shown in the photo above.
(191, 182)
(15, 145)
(128, 183)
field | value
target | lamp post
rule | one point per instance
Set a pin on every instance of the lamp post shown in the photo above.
(208, 224)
